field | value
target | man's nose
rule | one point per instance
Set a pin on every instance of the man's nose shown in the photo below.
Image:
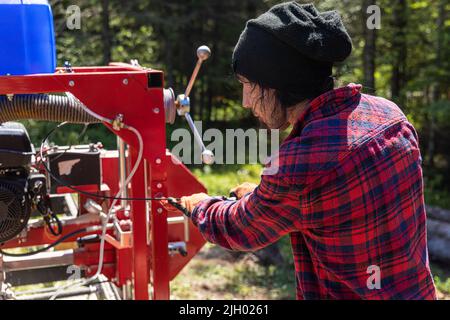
(245, 100)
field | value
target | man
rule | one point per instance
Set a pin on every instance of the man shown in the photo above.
(349, 187)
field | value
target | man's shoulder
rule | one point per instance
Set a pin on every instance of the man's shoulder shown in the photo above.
(366, 116)
(325, 141)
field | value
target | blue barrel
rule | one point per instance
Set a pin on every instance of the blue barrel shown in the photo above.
(27, 37)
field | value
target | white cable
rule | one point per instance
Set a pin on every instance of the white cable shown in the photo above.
(119, 194)
(104, 224)
(92, 113)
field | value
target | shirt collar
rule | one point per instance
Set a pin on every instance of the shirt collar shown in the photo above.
(327, 104)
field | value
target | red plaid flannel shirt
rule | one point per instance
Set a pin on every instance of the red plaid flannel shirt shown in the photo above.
(349, 191)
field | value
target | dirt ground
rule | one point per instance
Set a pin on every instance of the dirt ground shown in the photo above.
(218, 274)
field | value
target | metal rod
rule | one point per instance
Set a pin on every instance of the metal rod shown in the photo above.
(203, 54)
(175, 220)
(122, 170)
(193, 77)
(2, 271)
(65, 294)
(186, 229)
(39, 261)
(197, 136)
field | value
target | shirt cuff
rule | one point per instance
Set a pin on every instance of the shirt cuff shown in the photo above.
(203, 206)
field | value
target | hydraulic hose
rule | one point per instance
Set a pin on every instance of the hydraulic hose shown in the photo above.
(44, 107)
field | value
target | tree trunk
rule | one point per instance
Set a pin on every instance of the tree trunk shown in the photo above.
(400, 51)
(106, 32)
(369, 50)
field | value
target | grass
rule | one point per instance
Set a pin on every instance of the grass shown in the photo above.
(441, 276)
(219, 180)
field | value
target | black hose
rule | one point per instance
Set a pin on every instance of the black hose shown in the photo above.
(43, 107)
(30, 253)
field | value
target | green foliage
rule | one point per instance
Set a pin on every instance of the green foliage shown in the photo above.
(441, 112)
(435, 191)
(441, 277)
(221, 179)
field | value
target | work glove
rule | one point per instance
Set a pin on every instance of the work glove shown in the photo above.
(242, 189)
(188, 202)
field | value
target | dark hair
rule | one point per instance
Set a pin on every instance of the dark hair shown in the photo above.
(287, 99)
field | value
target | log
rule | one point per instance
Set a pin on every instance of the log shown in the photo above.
(438, 249)
(438, 234)
(438, 213)
(438, 229)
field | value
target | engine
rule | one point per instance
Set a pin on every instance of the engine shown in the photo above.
(22, 188)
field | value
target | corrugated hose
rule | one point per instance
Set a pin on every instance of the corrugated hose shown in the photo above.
(43, 107)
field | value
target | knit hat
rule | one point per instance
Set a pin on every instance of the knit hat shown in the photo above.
(292, 47)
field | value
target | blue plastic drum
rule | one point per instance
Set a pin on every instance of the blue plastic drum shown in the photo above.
(27, 37)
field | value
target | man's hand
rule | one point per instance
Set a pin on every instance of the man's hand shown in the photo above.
(242, 189)
(188, 202)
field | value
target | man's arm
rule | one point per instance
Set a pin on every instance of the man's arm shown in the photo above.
(253, 222)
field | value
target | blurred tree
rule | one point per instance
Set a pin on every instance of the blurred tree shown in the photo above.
(369, 52)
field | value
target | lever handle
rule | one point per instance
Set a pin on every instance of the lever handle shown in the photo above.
(203, 53)
(207, 155)
(183, 104)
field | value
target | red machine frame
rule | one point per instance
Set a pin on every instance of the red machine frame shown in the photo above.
(137, 94)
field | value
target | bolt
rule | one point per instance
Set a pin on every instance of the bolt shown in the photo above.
(125, 81)
(159, 185)
(156, 110)
(71, 83)
(159, 210)
(158, 161)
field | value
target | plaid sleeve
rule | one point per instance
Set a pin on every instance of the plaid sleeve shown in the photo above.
(258, 219)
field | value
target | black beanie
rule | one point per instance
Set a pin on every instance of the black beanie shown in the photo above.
(292, 47)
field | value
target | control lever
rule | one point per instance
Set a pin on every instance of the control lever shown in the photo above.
(183, 104)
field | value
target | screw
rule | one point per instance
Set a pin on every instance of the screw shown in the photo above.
(125, 81)
(159, 185)
(156, 110)
(159, 210)
(71, 83)
(158, 161)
